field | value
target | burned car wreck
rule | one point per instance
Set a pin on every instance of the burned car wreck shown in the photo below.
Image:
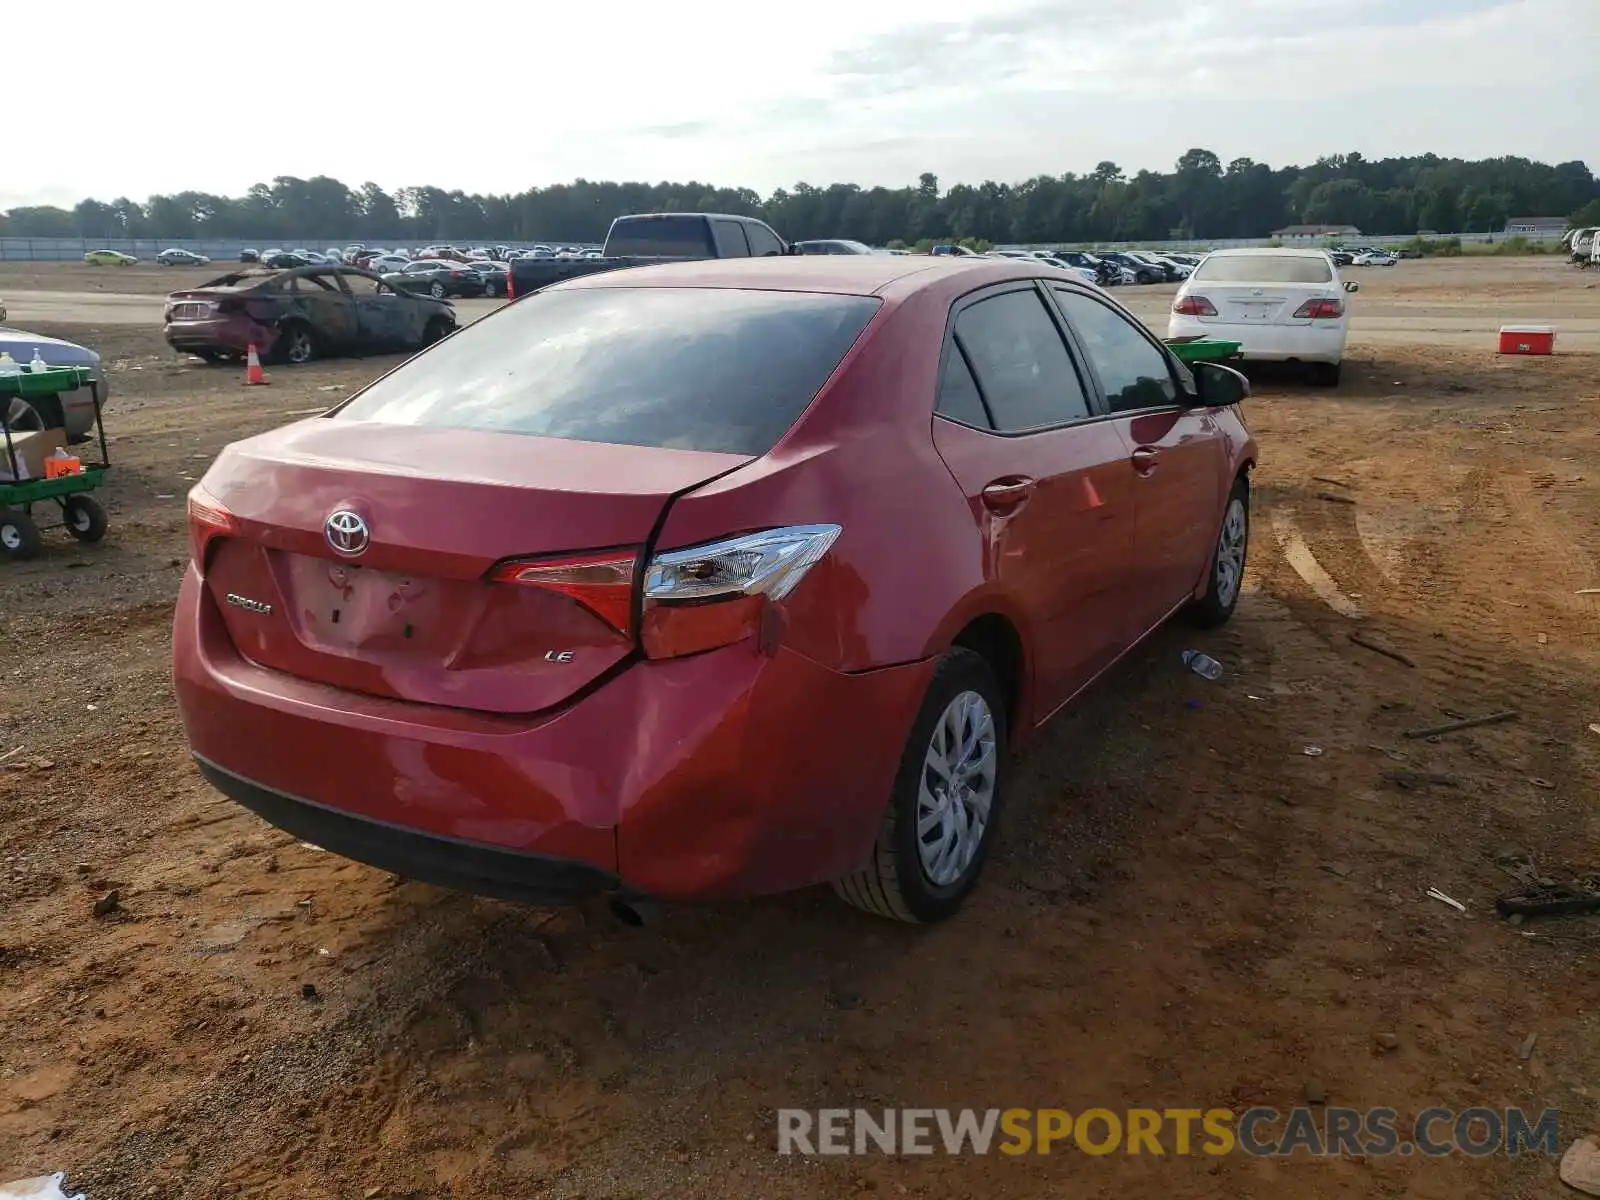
(304, 313)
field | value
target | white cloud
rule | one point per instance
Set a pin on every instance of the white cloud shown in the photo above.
(722, 91)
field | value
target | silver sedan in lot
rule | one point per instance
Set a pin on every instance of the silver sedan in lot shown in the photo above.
(71, 411)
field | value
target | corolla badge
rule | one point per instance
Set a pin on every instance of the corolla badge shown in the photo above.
(346, 532)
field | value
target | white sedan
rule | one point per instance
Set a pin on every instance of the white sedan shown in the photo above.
(1279, 305)
(1375, 258)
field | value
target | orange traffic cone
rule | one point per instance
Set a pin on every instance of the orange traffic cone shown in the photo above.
(252, 367)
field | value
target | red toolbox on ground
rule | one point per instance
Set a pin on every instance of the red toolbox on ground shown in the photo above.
(1527, 339)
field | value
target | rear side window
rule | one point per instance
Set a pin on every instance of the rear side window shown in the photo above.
(1020, 362)
(316, 285)
(762, 240)
(658, 237)
(958, 393)
(687, 368)
(1265, 268)
(729, 236)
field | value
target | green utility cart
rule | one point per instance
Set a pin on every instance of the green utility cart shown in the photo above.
(81, 516)
(1200, 348)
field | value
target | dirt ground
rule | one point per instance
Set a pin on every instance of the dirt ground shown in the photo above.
(1186, 908)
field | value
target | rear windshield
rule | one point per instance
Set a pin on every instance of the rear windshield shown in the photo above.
(1265, 268)
(687, 368)
(658, 237)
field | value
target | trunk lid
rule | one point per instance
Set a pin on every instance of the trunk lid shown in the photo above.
(1259, 303)
(413, 616)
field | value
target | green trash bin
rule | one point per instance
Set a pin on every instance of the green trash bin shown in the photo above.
(1203, 349)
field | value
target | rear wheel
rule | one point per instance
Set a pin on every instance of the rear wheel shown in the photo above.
(1326, 374)
(296, 344)
(211, 356)
(943, 810)
(491, 288)
(85, 519)
(436, 290)
(19, 536)
(1227, 562)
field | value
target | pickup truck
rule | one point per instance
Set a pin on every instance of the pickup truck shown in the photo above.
(636, 241)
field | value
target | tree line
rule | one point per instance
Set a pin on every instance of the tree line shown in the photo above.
(1200, 198)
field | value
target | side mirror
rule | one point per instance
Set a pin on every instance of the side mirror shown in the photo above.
(1217, 386)
(1350, 285)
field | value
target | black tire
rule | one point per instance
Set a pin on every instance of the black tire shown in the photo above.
(491, 289)
(436, 290)
(1222, 593)
(19, 536)
(437, 329)
(296, 344)
(84, 518)
(1326, 375)
(895, 883)
(211, 356)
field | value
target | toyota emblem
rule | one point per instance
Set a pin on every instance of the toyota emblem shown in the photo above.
(347, 533)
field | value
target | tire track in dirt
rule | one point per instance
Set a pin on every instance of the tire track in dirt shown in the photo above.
(1454, 621)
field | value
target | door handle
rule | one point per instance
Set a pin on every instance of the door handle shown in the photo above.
(1007, 495)
(1145, 458)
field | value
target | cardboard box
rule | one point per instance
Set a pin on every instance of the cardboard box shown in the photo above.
(29, 449)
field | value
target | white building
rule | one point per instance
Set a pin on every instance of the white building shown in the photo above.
(1291, 234)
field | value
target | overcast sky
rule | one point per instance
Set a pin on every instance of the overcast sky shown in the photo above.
(735, 93)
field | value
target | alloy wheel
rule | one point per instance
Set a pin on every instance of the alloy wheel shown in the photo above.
(1230, 552)
(957, 789)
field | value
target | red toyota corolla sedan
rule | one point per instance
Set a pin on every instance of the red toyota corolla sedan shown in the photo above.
(707, 579)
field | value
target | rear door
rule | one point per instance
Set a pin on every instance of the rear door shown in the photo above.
(320, 299)
(1177, 462)
(1047, 478)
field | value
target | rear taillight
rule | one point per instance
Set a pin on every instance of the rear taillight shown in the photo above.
(1320, 309)
(602, 583)
(1194, 306)
(208, 519)
(695, 599)
(718, 593)
(511, 284)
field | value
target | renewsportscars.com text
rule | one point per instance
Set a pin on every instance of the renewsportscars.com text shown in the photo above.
(1262, 1132)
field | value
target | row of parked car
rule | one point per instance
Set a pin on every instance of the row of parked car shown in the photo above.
(357, 254)
(1108, 268)
(1366, 256)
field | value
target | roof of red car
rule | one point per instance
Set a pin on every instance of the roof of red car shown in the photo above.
(846, 274)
